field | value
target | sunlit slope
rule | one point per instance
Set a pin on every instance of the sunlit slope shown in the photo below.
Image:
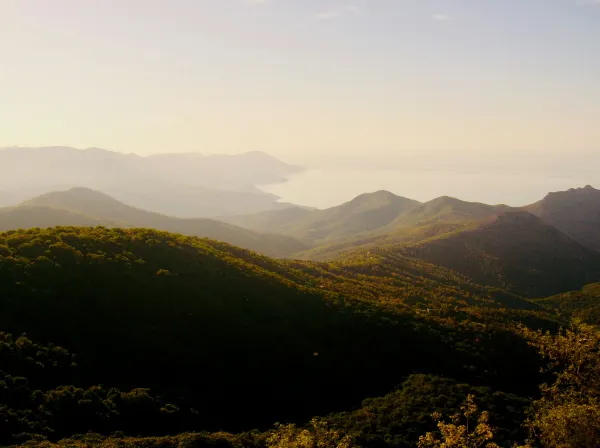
(247, 340)
(578, 306)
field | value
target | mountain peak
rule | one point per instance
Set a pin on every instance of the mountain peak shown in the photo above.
(575, 211)
(377, 199)
(588, 190)
(81, 199)
(82, 193)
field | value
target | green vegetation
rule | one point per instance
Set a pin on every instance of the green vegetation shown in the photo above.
(369, 220)
(233, 340)
(581, 307)
(362, 215)
(516, 252)
(173, 340)
(84, 207)
(567, 415)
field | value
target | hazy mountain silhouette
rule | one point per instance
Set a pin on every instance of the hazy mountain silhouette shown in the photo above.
(183, 185)
(515, 251)
(29, 216)
(85, 207)
(576, 212)
(363, 214)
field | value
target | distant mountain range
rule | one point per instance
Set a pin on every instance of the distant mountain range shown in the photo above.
(183, 185)
(511, 248)
(366, 213)
(372, 215)
(85, 207)
(539, 250)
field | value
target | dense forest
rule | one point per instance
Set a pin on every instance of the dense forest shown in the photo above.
(113, 335)
(166, 334)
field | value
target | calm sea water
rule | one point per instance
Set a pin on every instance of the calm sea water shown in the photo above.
(327, 187)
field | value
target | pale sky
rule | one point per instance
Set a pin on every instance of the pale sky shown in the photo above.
(302, 79)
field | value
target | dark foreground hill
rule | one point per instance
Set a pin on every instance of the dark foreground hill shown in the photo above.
(84, 207)
(515, 251)
(231, 339)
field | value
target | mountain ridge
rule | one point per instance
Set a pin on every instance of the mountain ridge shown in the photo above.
(85, 207)
(516, 251)
(174, 184)
(575, 212)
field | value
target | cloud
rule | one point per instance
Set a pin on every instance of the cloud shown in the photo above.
(339, 12)
(327, 15)
(442, 18)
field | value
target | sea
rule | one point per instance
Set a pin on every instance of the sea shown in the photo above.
(323, 187)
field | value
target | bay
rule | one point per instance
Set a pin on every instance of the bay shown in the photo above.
(328, 187)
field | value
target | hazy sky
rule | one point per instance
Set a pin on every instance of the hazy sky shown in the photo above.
(301, 78)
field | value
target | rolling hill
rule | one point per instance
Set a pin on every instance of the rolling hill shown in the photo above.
(576, 212)
(369, 220)
(515, 251)
(241, 339)
(419, 222)
(85, 207)
(362, 215)
(578, 306)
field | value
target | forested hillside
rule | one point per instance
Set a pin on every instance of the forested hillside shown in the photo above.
(578, 306)
(576, 212)
(364, 214)
(85, 207)
(515, 251)
(226, 339)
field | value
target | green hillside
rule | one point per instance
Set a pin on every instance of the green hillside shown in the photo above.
(84, 207)
(227, 339)
(362, 215)
(423, 221)
(579, 306)
(516, 251)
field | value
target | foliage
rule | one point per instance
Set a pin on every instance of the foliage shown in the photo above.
(316, 435)
(568, 413)
(468, 429)
(581, 307)
(176, 334)
(400, 417)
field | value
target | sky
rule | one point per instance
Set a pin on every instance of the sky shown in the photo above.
(304, 80)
